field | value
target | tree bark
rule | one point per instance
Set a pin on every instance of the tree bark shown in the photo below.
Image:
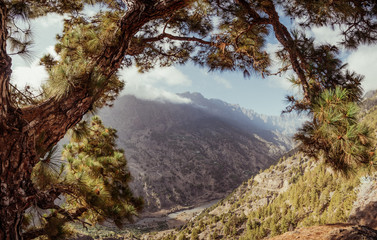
(26, 134)
(17, 155)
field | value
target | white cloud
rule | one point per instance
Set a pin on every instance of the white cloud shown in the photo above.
(149, 92)
(363, 61)
(223, 82)
(33, 75)
(50, 20)
(150, 85)
(325, 35)
(51, 51)
(167, 76)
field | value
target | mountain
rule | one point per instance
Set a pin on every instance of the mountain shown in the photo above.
(185, 154)
(293, 196)
(296, 198)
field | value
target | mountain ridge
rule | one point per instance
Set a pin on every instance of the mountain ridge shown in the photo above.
(185, 154)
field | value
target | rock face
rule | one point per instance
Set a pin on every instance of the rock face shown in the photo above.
(364, 209)
(185, 154)
(330, 232)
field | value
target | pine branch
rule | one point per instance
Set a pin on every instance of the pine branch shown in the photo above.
(30, 100)
(254, 14)
(280, 71)
(78, 100)
(179, 38)
(284, 37)
(45, 199)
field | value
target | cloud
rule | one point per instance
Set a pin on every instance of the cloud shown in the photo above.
(149, 92)
(50, 20)
(150, 85)
(52, 52)
(363, 61)
(33, 75)
(279, 81)
(325, 35)
(170, 76)
(223, 82)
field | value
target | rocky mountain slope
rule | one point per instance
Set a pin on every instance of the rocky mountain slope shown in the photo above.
(297, 192)
(185, 154)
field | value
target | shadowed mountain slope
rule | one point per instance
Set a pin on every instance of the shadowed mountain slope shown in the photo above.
(186, 154)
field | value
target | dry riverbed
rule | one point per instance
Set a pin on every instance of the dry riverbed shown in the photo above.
(173, 219)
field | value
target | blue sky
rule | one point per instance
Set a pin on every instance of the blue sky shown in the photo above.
(264, 96)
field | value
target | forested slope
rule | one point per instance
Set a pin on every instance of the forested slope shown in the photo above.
(297, 192)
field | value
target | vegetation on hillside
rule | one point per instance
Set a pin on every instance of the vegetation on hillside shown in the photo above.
(316, 196)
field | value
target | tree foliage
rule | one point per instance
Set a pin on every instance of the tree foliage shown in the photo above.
(335, 133)
(217, 35)
(93, 180)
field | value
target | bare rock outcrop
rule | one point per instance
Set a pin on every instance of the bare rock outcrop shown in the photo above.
(364, 210)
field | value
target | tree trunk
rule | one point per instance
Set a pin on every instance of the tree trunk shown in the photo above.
(15, 184)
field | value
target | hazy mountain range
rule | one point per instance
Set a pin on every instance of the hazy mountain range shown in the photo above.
(185, 154)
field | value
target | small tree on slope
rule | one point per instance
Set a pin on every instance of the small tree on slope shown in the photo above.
(95, 179)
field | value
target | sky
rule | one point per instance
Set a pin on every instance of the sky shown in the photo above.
(263, 95)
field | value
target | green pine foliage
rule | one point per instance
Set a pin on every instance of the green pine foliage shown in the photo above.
(330, 13)
(76, 68)
(93, 180)
(335, 133)
(100, 173)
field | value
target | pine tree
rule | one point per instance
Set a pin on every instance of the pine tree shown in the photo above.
(218, 35)
(95, 180)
